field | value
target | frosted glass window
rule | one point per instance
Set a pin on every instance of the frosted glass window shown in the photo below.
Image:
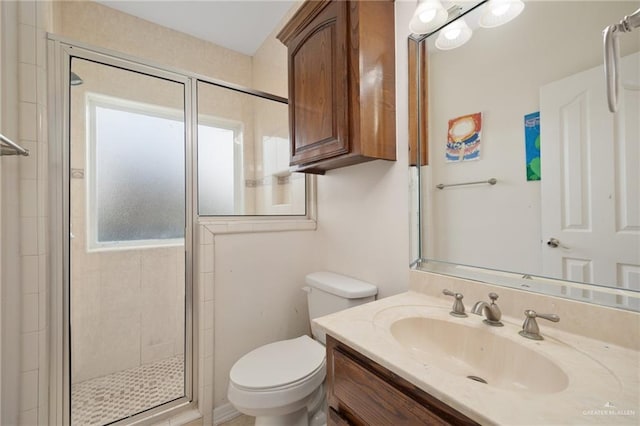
(243, 156)
(220, 172)
(138, 176)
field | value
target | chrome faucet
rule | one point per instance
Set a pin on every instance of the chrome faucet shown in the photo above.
(491, 311)
(530, 328)
(458, 306)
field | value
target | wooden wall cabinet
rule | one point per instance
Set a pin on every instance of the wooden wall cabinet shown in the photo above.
(362, 392)
(341, 58)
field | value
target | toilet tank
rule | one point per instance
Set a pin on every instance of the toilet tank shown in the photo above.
(328, 292)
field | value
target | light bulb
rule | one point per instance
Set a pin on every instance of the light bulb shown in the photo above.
(428, 17)
(454, 35)
(499, 12)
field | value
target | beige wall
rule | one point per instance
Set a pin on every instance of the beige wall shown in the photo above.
(101, 26)
(25, 253)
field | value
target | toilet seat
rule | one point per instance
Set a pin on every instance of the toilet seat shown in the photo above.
(278, 378)
(279, 365)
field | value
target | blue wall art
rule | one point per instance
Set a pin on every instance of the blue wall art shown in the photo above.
(532, 145)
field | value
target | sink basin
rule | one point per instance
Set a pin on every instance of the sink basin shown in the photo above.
(480, 354)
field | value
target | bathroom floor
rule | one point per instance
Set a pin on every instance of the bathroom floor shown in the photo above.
(106, 399)
(241, 421)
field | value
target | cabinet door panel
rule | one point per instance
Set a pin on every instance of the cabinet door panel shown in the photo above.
(374, 400)
(318, 88)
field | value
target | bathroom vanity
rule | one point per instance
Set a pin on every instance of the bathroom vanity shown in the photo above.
(405, 360)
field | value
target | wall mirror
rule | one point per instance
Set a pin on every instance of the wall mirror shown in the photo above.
(521, 175)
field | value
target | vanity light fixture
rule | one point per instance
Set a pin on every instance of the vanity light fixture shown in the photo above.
(429, 15)
(499, 12)
(454, 35)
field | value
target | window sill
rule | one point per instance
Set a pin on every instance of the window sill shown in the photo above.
(241, 226)
(254, 224)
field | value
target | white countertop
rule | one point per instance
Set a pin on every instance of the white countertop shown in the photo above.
(603, 379)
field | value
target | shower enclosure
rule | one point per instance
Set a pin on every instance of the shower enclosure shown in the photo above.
(130, 136)
(127, 242)
(122, 213)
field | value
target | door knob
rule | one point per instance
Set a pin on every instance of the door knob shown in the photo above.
(554, 243)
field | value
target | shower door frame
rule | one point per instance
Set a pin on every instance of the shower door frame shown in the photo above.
(60, 52)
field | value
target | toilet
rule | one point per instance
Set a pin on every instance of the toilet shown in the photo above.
(282, 383)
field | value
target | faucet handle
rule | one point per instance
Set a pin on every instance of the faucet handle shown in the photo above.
(549, 317)
(458, 306)
(493, 297)
(530, 328)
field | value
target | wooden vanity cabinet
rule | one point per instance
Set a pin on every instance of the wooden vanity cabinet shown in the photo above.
(341, 62)
(362, 392)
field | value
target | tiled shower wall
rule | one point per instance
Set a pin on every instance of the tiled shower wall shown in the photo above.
(34, 19)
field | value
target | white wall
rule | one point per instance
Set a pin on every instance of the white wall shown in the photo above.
(499, 73)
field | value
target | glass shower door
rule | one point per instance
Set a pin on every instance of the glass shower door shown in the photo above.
(127, 243)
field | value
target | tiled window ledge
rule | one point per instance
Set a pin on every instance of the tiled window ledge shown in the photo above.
(238, 226)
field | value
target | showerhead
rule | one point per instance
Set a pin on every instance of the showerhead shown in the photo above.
(75, 79)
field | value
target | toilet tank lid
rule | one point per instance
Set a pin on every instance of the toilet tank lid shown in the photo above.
(341, 285)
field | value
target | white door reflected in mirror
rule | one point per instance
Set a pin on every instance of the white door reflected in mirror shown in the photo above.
(590, 190)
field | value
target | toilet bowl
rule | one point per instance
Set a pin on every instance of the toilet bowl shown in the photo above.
(279, 379)
(281, 383)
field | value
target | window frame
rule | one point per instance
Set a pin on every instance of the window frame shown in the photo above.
(93, 101)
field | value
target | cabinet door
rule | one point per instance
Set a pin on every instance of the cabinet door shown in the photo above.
(374, 400)
(318, 87)
(362, 392)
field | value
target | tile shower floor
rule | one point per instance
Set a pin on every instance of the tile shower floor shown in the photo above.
(109, 398)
